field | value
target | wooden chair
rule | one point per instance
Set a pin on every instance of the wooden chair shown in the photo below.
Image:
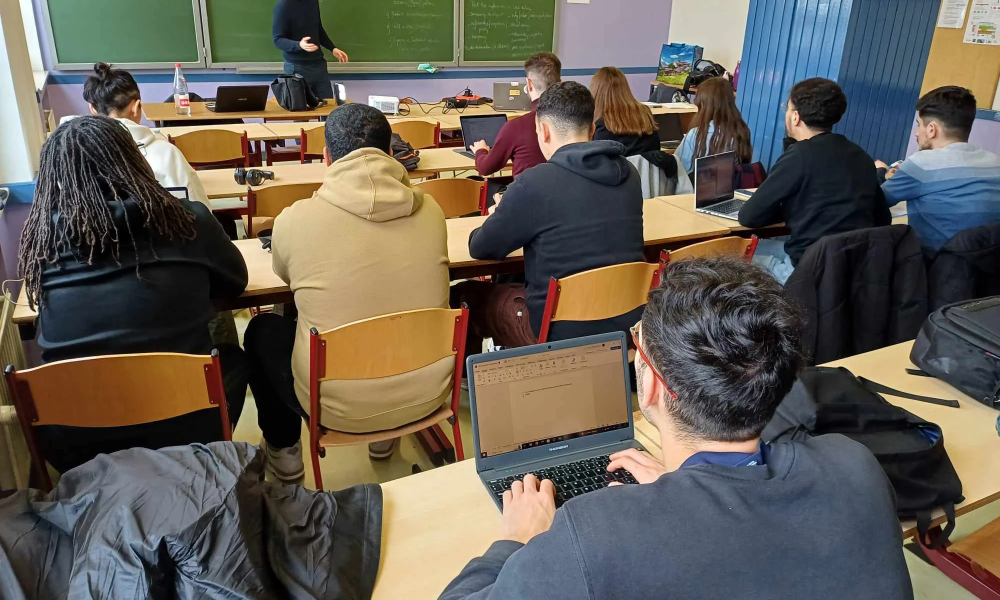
(598, 294)
(213, 148)
(727, 246)
(382, 347)
(419, 134)
(265, 203)
(311, 143)
(457, 197)
(114, 391)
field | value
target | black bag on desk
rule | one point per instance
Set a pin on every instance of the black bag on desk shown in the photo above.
(403, 152)
(960, 345)
(293, 93)
(909, 449)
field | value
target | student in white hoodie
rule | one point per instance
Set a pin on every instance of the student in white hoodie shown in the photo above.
(114, 92)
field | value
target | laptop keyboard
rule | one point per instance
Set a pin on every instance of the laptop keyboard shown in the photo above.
(466, 154)
(729, 208)
(571, 479)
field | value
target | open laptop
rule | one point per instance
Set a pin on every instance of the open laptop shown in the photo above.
(480, 127)
(181, 193)
(556, 410)
(511, 96)
(239, 98)
(714, 189)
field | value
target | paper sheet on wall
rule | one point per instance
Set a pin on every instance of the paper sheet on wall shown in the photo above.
(952, 15)
(984, 23)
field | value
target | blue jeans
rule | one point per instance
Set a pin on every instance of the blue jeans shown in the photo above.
(316, 76)
(771, 256)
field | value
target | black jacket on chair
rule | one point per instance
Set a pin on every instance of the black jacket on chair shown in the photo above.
(967, 267)
(861, 291)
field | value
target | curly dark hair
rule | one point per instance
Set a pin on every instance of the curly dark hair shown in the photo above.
(820, 102)
(726, 339)
(355, 126)
(86, 163)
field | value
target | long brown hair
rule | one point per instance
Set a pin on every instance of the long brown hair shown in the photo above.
(84, 161)
(716, 104)
(614, 102)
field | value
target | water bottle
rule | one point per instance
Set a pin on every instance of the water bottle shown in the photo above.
(182, 101)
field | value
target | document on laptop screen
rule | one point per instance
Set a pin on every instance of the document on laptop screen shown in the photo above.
(544, 398)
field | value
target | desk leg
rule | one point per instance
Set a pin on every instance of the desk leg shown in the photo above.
(980, 582)
(437, 446)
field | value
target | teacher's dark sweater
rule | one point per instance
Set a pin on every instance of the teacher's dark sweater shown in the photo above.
(581, 210)
(817, 521)
(293, 20)
(818, 187)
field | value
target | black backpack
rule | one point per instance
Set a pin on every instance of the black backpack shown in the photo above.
(909, 449)
(403, 152)
(702, 71)
(293, 93)
(960, 345)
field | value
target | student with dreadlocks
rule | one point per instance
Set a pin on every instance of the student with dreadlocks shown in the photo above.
(117, 265)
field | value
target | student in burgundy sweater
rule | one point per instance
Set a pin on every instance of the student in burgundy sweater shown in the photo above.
(517, 139)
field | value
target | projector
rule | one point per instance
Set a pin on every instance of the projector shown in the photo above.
(387, 104)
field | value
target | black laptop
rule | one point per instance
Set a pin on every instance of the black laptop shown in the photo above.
(239, 98)
(480, 127)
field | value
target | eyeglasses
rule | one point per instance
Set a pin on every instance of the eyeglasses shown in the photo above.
(636, 331)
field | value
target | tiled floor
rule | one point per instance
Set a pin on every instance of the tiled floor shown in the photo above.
(348, 466)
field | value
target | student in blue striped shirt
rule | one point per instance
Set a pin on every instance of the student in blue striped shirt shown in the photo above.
(949, 185)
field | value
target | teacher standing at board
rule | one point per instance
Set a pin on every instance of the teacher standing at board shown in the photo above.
(298, 33)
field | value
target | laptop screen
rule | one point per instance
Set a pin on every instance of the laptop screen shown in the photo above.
(181, 193)
(713, 179)
(528, 401)
(482, 127)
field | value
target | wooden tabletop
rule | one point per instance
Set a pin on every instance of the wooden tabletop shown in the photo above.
(433, 523)
(164, 111)
(255, 131)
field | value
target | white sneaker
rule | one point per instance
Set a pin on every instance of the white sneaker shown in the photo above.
(285, 464)
(382, 450)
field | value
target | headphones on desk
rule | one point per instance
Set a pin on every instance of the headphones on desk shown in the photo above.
(253, 177)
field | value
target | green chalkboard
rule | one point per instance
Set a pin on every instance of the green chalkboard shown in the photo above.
(506, 30)
(123, 31)
(370, 31)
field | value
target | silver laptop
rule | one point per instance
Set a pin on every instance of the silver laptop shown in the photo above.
(714, 189)
(556, 410)
(480, 127)
(511, 96)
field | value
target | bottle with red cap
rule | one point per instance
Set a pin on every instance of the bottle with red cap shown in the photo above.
(182, 101)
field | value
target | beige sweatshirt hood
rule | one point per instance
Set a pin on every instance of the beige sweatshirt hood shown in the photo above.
(372, 185)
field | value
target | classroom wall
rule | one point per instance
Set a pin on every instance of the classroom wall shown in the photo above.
(718, 26)
(624, 33)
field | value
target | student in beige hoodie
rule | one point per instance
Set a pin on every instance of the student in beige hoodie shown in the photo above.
(365, 245)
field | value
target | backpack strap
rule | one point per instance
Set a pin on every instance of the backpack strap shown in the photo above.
(924, 526)
(878, 388)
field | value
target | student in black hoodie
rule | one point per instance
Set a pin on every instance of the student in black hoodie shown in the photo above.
(117, 265)
(823, 184)
(579, 211)
(722, 515)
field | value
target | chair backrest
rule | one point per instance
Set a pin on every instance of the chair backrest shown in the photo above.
(213, 148)
(597, 294)
(419, 134)
(312, 141)
(269, 201)
(457, 197)
(727, 246)
(966, 267)
(115, 391)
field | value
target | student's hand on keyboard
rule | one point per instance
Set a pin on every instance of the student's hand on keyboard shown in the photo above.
(528, 509)
(480, 145)
(641, 465)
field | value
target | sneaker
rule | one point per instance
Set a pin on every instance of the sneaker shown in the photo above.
(285, 464)
(382, 450)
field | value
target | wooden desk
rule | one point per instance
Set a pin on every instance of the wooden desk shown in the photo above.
(164, 111)
(219, 183)
(686, 202)
(433, 523)
(256, 132)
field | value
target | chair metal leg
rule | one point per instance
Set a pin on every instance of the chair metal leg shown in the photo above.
(314, 454)
(457, 433)
(980, 582)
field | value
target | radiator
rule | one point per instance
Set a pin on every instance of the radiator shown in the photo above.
(14, 458)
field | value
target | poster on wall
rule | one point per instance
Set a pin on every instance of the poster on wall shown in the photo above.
(952, 15)
(984, 23)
